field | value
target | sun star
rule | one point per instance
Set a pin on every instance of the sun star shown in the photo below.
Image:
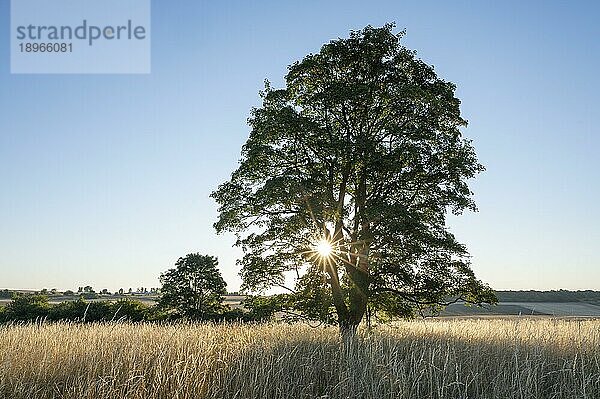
(324, 248)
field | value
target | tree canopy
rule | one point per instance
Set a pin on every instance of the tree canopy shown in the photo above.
(346, 181)
(194, 288)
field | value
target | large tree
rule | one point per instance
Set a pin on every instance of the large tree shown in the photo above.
(346, 181)
(194, 288)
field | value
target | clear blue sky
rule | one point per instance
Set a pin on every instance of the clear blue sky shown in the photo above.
(104, 179)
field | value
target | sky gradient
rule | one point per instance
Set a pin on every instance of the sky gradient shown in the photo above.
(104, 179)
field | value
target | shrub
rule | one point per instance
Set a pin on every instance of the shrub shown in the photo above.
(5, 294)
(130, 310)
(27, 307)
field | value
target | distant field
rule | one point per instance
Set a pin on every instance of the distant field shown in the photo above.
(561, 309)
(531, 358)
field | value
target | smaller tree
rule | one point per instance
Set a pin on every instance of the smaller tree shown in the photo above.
(194, 288)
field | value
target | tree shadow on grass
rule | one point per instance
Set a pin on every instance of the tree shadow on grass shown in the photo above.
(431, 366)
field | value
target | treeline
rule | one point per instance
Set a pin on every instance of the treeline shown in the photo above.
(587, 296)
(83, 292)
(31, 307)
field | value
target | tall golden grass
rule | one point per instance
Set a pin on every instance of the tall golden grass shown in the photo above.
(518, 358)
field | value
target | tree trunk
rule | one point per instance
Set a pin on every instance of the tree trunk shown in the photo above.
(336, 292)
(358, 262)
(359, 293)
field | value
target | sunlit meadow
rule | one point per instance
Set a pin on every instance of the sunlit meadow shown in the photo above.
(457, 359)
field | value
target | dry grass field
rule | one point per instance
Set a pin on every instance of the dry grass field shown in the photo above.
(453, 359)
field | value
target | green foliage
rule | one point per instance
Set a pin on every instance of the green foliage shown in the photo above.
(234, 316)
(363, 148)
(5, 294)
(265, 307)
(73, 311)
(32, 307)
(131, 310)
(194, 288)
(27, 307)
(81, 310)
